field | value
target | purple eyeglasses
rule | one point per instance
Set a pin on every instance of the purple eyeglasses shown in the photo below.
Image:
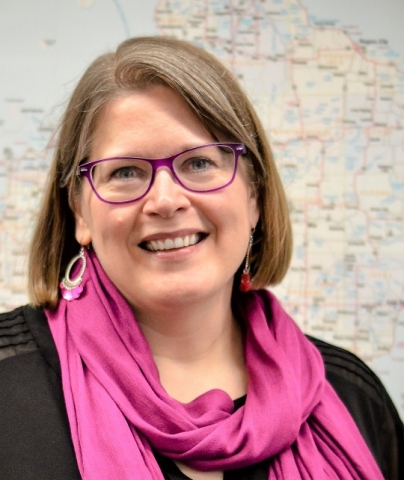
(206, 168)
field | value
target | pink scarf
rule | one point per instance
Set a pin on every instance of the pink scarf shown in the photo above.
(118, 409)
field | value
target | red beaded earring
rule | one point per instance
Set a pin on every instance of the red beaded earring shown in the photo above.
(245, 283)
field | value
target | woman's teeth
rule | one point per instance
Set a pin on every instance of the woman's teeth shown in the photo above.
(170, 243)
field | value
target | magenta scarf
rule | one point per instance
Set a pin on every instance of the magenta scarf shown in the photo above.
(118, 411)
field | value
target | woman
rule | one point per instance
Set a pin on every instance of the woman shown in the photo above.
(156, 358)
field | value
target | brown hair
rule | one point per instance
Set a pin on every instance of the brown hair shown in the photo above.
(214, 96)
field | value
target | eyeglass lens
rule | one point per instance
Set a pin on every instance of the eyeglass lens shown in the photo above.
(201, 169)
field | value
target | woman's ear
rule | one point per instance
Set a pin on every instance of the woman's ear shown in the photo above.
(254, 212)
(82, 229)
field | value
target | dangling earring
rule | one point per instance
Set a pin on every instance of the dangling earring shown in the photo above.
(72, 288)
(245, 283)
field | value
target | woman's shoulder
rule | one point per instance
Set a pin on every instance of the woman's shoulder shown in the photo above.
(32, 412)
(370, 405)
(16, 336)
(344, 366)
(26, 330)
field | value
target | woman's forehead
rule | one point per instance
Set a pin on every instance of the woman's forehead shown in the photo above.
(154, 122)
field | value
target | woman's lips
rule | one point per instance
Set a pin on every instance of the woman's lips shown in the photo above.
(173, 243)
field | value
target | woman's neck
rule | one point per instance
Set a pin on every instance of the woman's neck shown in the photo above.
(197, 348)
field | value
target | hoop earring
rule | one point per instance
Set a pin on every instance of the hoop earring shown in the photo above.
(245, 282)
(72, 288)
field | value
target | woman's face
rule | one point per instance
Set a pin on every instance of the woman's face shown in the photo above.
(157, 123)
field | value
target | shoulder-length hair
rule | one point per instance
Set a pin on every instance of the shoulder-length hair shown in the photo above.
(216, 99)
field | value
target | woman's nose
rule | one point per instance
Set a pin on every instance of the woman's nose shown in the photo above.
(166, 195)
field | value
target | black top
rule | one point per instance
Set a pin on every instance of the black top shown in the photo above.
(35, 438)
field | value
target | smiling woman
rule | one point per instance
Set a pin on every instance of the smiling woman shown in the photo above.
(149, 350)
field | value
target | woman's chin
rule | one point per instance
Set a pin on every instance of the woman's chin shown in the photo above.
(183, 292)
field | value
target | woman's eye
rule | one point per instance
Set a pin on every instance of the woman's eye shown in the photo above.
(198, 164)
(114, 172)
(124, 172)
(128, 172)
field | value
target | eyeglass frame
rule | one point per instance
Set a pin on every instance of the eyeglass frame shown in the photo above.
(85, 169)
